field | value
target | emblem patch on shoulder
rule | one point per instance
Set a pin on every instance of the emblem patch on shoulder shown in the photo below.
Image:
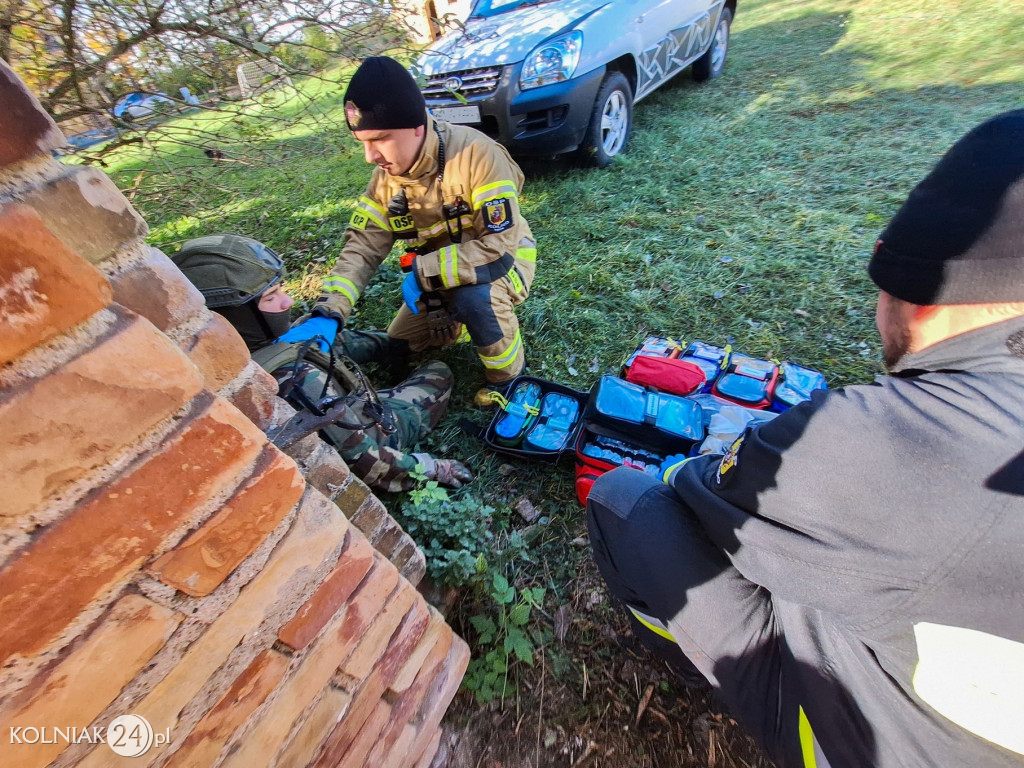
(498, 214)
(729, 461)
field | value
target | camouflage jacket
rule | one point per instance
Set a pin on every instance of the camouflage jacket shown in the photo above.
(377, 458)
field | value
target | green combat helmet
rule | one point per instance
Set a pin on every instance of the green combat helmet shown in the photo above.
(232, 272)
(229, 270)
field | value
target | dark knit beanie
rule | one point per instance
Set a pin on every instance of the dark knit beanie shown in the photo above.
(382, 95)
(959, 237)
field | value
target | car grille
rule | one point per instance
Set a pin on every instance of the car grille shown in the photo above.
(475, 82)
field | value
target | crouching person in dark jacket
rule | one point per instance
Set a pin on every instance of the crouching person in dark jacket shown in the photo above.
(849, 575)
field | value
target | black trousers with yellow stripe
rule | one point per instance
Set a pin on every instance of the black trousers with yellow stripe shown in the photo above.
(487, 311)
(680, 587)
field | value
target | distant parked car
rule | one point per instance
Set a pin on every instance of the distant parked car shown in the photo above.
(137, 105)
(545, 77)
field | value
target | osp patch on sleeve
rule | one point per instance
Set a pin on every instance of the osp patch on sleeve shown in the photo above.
(729, 461)
(498, 214)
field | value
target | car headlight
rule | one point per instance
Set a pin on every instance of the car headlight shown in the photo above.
(552, 61)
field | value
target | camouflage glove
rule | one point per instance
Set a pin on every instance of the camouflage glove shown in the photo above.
(445, 471)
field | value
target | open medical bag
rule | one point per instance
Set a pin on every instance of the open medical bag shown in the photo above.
(536, 419)
(672, 399)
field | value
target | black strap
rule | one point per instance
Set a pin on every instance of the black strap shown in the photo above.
(365, 395)
(440, 158)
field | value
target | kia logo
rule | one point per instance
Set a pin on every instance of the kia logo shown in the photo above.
(452, 84)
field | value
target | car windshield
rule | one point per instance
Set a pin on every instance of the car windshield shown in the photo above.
(486, 8)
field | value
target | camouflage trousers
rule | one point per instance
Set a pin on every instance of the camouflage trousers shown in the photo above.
(383, 460)
(419, 402)
(367, 346)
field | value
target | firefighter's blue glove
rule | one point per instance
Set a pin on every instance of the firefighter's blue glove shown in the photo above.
(671, 465)
(325, 327)
(411, 292)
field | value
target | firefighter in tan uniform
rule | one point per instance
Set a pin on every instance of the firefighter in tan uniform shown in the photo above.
(450, 196)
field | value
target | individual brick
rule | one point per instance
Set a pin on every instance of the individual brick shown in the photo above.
(85, 209)
(440, 694)
(306, 450)
(370, 692)
(410, 561)
(25, 128)
(154, 287)
(217, 351)
(135, 377)
(116, 528)
(372, 518)
(329, 473)
(352, 497)
(437, 633)
(317, 532)
(82, 685)
(45, 289)
(389, 538)
(198, 565)
(256, 398)
(370, 731)
(319, 721)
(319, 662)
(330, 597)
(426, 759)
(250, 690)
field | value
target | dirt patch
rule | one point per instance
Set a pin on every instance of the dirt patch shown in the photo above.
(595, 699)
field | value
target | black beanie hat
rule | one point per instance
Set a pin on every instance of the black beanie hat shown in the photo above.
(382, 95)
(959, 237)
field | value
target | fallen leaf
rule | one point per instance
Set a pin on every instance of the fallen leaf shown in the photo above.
(526, 510)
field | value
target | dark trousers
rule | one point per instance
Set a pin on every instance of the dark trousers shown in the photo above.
(656, 558)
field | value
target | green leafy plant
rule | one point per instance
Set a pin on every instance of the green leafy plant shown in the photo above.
(504, 636)
(453, 533)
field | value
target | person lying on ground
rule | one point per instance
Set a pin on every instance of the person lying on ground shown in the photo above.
(241, 279)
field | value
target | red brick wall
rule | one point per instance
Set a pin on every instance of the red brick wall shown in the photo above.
(158, 557)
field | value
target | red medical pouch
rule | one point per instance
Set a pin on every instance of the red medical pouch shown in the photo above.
(666, 374)
(597, 454)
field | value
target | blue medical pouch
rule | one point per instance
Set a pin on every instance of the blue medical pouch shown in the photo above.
(540, 421)
(558, 417)
(519, 414)
(643, 417)
(796, 385)
(748, 381)
(709, 358)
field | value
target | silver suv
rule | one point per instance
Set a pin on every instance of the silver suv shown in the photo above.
(545, 77)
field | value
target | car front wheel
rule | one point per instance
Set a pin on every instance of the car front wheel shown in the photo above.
(710, 65)
(610, 122)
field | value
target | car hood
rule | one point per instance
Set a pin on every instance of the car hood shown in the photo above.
(503, 39)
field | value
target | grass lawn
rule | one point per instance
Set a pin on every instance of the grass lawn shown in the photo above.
(744, 210)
